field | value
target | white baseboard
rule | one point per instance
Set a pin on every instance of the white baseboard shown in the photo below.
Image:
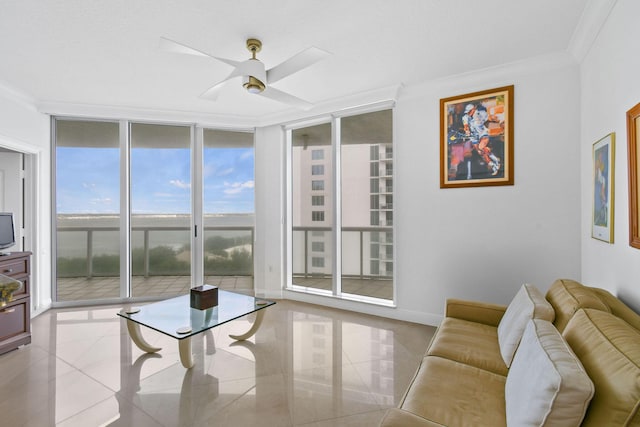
(359, 307)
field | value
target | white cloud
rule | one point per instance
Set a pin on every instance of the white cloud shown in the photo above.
(180, 184)
(87, 185)
(224, 172)
(237, 187)
(103, 201)
(246, 155)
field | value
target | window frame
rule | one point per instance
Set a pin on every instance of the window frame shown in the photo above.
(196, 146)
(334, 202)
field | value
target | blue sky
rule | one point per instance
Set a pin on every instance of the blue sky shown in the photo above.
(88, 179)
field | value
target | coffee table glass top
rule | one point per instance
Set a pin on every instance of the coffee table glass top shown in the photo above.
(175, 314)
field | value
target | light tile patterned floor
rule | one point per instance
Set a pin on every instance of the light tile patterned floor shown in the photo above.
(307, 365)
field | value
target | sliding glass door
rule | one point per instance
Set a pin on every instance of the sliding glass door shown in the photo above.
(228, 209)
(160, 209)
(129, 222)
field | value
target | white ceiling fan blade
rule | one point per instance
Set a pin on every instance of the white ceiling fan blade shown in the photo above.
(213, 92)
(296, 63)
(280, 96)
(173, 46)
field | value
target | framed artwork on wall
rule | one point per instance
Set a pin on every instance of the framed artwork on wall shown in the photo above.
(633, 130)
(603, 172)
(476, 139)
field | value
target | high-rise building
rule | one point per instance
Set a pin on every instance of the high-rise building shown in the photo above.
(366, 206)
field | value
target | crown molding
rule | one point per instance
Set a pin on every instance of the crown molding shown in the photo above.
(504, 74)
(354, 102)
(593, 18)
(333, 106)
(17, 96)
(146, 114)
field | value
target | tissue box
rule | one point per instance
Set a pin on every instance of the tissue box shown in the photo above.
(203, 297)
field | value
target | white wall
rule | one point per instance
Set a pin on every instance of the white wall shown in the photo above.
(473, 243)
(269, 167)
(484, 243)
(24, 129)
(609, 87)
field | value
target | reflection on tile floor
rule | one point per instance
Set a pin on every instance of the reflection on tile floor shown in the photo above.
(307, 366)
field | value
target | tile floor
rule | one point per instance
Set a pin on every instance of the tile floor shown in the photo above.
(307, 366)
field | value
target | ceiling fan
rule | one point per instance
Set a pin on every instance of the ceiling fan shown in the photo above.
(255, 79)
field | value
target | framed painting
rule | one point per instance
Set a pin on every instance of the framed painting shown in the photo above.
(603, 172)
(476, 139)
(633, 130)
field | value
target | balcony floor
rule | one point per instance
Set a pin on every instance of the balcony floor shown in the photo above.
(83, 288)
(366, 287)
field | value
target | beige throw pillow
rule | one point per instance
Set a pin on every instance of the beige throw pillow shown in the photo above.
(546, 385)
(529, 303)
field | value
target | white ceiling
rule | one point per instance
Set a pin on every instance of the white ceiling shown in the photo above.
(105, 53)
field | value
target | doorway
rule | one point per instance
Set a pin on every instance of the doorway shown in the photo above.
(19, 165)
(12, 191)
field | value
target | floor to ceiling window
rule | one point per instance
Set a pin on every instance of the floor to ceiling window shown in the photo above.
(341, 236)
(160, 209)
(108, 174)
(87, 178)
(312, 207)
(366, 154)
(228, 208)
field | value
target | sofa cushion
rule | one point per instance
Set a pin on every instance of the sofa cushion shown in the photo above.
(468, 342)
(400, 418)
(454, 394)
(475, 311)
(528, 304)
(546, 385)
(568, 296)
(609, 349)
(618, 308)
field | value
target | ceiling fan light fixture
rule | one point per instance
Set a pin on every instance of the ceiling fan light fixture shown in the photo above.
(253, 85)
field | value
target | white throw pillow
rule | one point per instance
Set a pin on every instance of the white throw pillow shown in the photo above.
(546, 385)
(529, 303)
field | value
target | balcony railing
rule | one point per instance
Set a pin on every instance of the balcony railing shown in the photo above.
(354, 262)
(147, 233)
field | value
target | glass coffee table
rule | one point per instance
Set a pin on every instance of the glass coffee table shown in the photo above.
(176, 318)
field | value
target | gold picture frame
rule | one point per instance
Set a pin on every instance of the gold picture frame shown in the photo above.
(476, 139)
(633, 130)
(603, 157)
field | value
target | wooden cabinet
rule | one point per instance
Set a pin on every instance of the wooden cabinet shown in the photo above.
(15, 316)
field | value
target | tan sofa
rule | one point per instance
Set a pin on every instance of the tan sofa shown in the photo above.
(462, 380)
